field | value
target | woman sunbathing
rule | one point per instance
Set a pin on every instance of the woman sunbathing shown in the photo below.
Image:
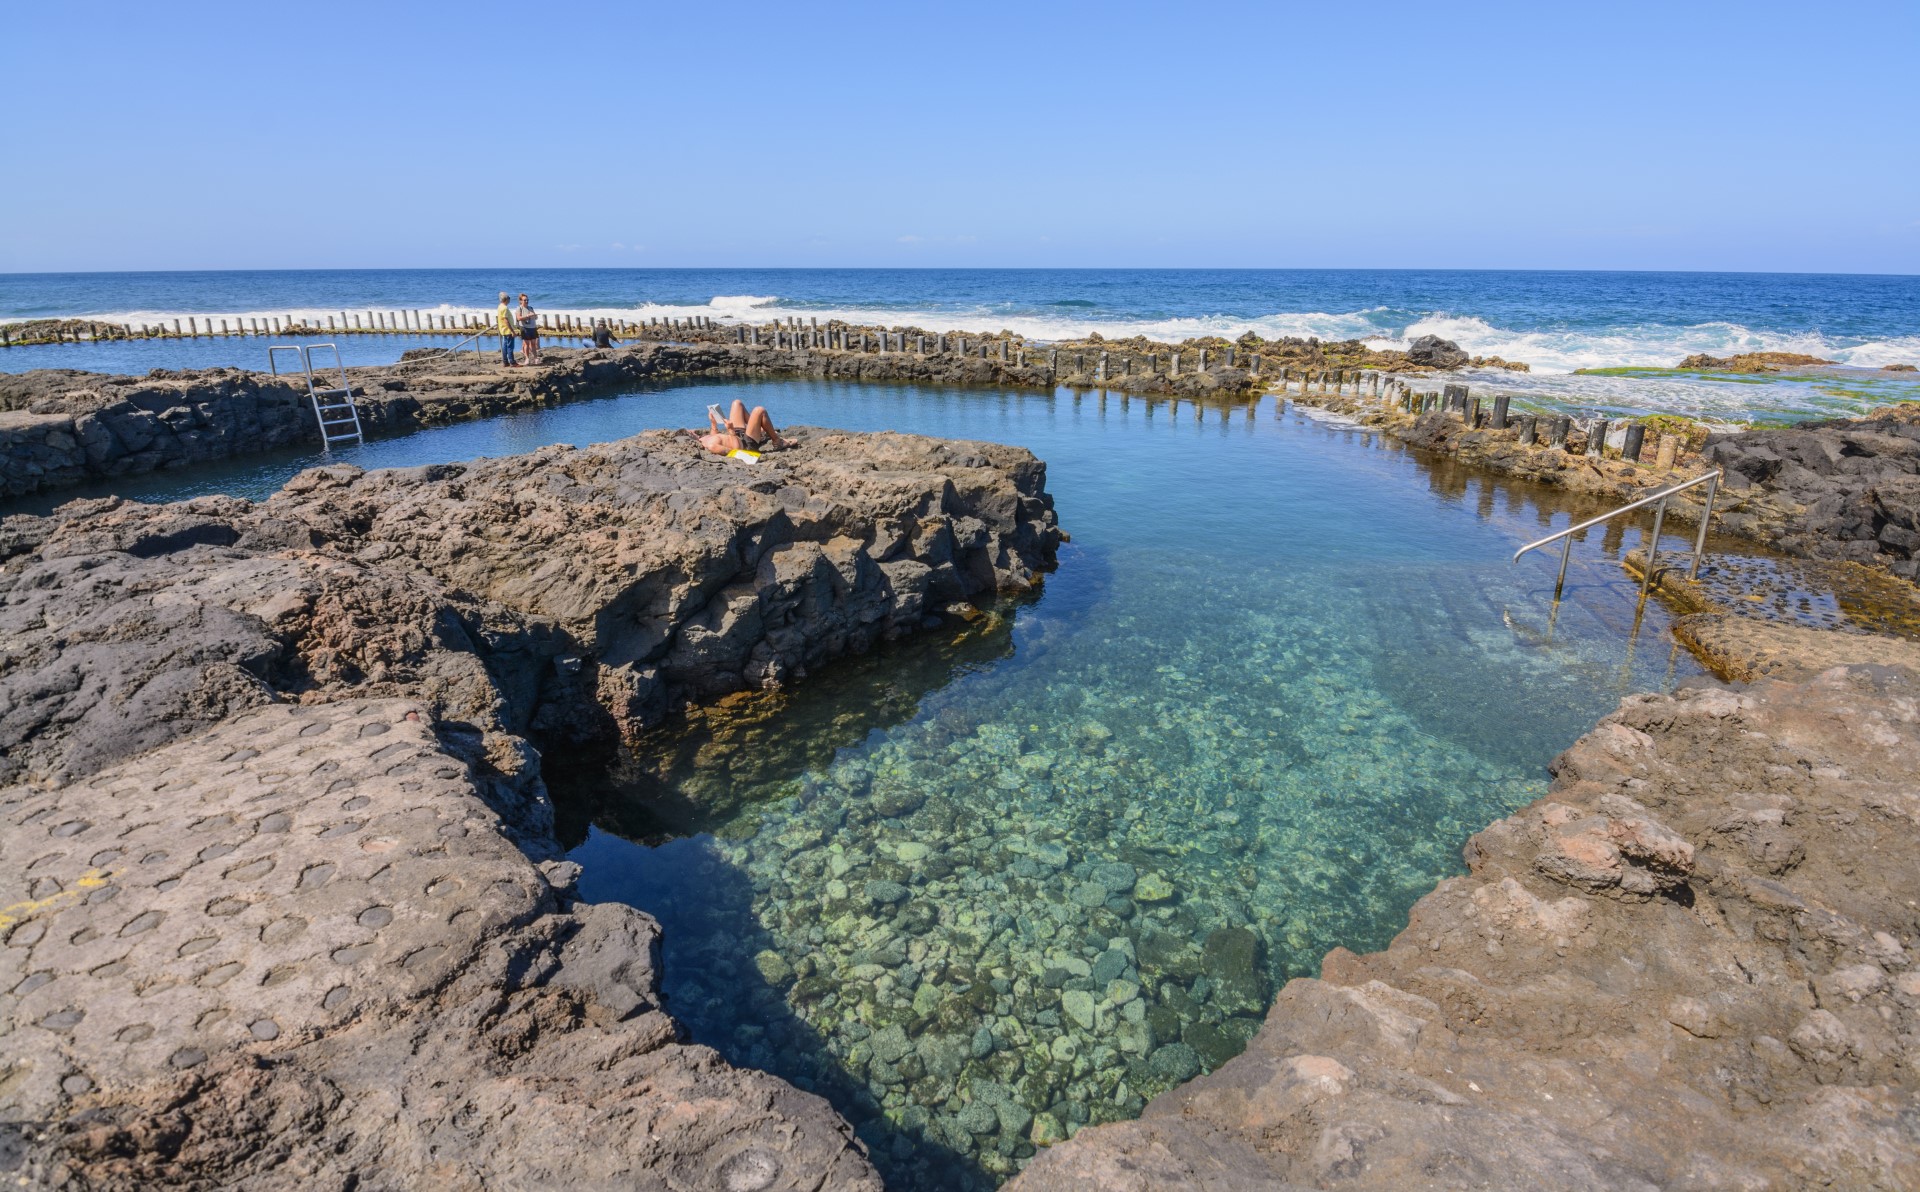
(741, 431)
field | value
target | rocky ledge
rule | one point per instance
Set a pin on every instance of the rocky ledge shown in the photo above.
(1690, 965)
(60, 428)
(1844, 489)
(281, 902)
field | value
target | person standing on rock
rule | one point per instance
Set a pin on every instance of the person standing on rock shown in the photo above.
(509, 331)
(529, 333)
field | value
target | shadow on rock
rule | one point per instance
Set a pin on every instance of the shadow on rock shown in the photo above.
(707, 766)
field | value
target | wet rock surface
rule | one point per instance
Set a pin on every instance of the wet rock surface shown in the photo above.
(1689, 965)
(281, 899)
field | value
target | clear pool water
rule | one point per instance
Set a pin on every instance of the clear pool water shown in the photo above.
(137, 357)
(1021, 875)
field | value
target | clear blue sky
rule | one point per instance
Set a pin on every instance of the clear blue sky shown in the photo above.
(1619, 136)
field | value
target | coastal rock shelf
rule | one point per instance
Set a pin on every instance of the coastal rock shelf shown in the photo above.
(1689, 965)
(59, 428)
(1844, 489)
(298, 949)
(282, 901)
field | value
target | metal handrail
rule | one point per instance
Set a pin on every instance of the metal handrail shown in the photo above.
(306, 356)
(1711, 480)
(298, 352)
(473, 339)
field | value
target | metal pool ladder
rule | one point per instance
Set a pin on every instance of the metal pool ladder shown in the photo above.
(333, 408)
(1711, 480)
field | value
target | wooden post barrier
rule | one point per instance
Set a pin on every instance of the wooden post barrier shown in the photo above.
(1597, 439)
(1668, 453)
(1499, 419)
(1636, 439)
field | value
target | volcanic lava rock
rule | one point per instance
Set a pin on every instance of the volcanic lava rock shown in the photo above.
(1430, 351)
(282, 901)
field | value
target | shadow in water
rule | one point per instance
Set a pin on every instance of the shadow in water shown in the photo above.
(707, 766)
(726, 978)
(729, 983)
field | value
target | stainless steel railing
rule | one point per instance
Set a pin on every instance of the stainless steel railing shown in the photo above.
(473, 339)
(1711, 480)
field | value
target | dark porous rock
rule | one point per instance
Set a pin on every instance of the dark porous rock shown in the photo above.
(1691, 964)
(1430, 351)
(1173, 1062)
(1840, 489)
(284, 906)
(897, 801)
(1232, 960)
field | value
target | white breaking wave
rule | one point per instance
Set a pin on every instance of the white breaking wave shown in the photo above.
(1549, 352)
(1646, 346)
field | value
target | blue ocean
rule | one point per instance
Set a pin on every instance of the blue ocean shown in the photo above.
(1555, 322)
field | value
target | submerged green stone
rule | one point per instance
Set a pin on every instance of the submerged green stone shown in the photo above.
(1153, 888)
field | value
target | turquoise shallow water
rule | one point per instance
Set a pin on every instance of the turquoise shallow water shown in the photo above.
(1010, 878)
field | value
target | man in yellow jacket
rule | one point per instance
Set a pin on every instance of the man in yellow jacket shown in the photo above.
(509, 331)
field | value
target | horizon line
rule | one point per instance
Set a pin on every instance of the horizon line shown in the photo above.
(950, 269)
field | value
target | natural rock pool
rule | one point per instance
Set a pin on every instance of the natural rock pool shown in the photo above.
(1013, 877)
